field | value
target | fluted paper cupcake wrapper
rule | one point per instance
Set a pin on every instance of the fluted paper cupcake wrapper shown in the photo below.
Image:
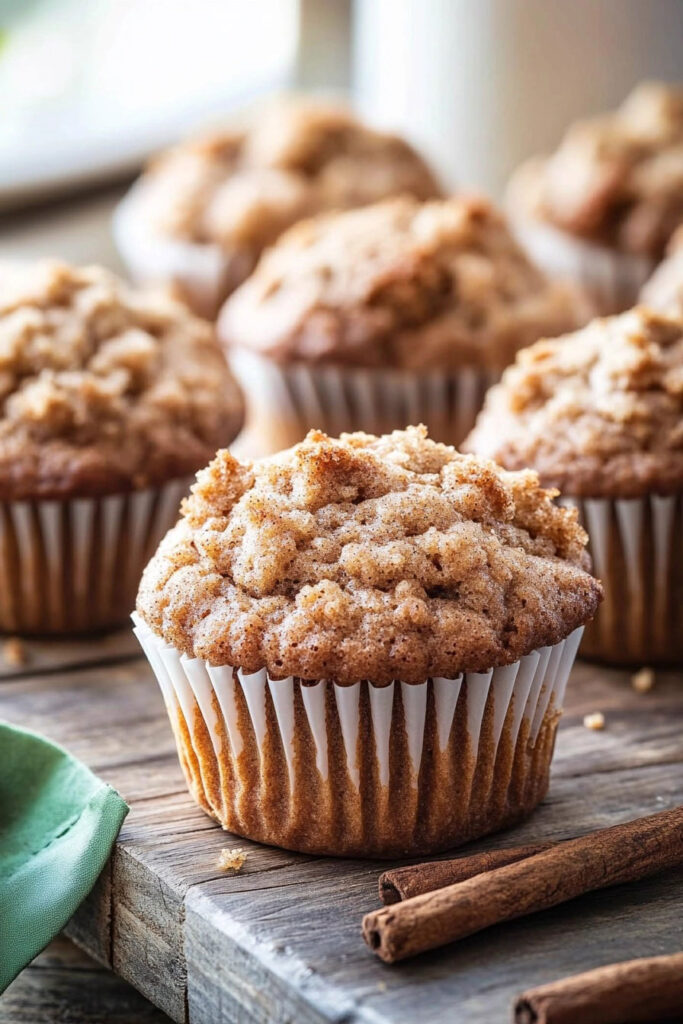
(613, 279)
(74, 566)
(637, 549)
(287, 400)
(203, 273)
(364, 770)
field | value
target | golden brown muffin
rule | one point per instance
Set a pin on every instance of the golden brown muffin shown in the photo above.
(103, 390)
(378, 634)
(367, 558)
(598, 413)
(402, 284)
(664, 290)
(615, 179)
(233, 191)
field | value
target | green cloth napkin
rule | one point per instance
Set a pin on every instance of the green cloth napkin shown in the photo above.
(58, 823)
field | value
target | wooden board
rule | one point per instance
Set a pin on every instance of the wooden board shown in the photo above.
(65, 986)
(281, 940)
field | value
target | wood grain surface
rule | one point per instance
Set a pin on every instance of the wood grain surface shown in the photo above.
(281, 940)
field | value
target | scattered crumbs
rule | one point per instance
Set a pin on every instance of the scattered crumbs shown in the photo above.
(643, 681)
(382, 986)
(594, 721)
(232, 860)
(14, 652)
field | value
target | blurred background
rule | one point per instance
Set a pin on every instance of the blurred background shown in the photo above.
(89, 89)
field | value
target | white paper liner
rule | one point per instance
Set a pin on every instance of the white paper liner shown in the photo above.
(612, 279)
(73, 566)
(364, 770)
(636, 545)
(286, 401)
(203, 273)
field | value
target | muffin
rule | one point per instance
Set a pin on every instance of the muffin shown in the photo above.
(603, 207)
(363, 643)
(599, 415)
(664, 290)
(400, 312)
(203, 212)
(109, 401)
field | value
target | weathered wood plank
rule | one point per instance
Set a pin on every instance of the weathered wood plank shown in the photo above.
(64, 986)
(281, 940)
(41, 655)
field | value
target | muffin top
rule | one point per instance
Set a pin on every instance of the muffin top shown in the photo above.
(241, 187)
(598, 413)
(616, 179)
(103, 389)
(664, 290)
(400, 283)
(367, 557)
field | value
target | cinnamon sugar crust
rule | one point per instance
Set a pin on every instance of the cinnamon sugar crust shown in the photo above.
(103, 389)
(616, 179)
(434, 285)
(241, 187)
(598, 413)
(367, 558)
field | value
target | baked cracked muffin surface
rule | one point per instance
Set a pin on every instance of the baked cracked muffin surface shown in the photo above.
(103, 389)
(400, 283)
(598, 413)
(616, 179)
(367, 557)
(241, 187)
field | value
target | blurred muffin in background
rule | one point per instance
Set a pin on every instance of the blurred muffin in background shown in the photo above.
(402, 312)
(603, 207)
(203, 212)
(664, 290)
(109, 400)
(599, 415)
(363, 643)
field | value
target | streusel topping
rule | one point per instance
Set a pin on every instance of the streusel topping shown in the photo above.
(242, 187)
(102, 388)
(598, 413)
(367, 557)
(400, 283)
(616, 179)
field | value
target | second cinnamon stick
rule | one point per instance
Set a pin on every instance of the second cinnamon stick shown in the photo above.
(403, 883)
(611, 856)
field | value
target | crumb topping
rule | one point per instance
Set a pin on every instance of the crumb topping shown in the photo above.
(367, 558)
(402, 283)
(617, 178)
(598, 413)
(243, 187)
(103, 388)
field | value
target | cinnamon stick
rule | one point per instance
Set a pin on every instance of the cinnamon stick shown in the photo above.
(610, 856)
(637, 990)
(402, 883)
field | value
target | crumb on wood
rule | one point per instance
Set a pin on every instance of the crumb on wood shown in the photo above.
(595, 721)
(232, 860)
(643, 681)
(14, 652)
(382, 986)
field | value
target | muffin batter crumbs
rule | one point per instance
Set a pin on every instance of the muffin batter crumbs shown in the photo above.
(616, 179)
(367, 558)
(597, 413)
(403, 284)
(103, 389)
